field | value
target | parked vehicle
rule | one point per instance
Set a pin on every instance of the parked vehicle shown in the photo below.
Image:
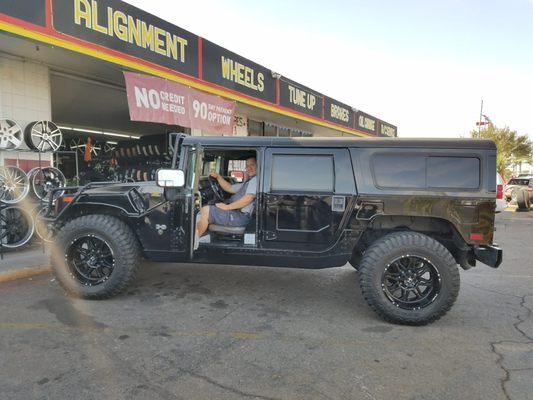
(404, 212)
(520, 191)
(501, 203)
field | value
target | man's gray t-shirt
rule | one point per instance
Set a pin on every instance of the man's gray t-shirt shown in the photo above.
(241, 189)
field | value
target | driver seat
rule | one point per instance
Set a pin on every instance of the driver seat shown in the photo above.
(230, 230)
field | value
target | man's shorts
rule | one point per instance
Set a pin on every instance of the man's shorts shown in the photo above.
(232, 218)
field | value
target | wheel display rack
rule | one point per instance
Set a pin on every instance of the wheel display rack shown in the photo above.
(41, 203)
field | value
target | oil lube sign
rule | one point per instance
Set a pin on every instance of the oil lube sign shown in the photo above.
(33, 11)
(122, 27)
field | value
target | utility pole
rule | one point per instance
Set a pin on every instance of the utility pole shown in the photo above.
(480, 117)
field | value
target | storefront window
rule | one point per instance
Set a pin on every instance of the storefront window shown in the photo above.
(255, 128)
(271, 130)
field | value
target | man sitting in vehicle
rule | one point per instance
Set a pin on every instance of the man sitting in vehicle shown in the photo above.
(238, 210)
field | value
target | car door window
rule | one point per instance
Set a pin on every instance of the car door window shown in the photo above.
(302, 173)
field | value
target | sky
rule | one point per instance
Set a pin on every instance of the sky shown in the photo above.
(423, 65)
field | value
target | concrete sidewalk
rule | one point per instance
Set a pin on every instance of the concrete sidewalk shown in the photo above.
(24, 263)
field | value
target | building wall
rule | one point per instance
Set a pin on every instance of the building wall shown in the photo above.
(25, 97)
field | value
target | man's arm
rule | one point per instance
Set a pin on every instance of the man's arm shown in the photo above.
(237, 205)
(224, 184)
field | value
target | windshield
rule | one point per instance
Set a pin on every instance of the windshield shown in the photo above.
(521, 182)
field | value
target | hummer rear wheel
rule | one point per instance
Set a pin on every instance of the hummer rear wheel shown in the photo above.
(95, 256)
(409, 278)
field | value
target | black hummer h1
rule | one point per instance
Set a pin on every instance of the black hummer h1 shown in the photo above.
(405, 213)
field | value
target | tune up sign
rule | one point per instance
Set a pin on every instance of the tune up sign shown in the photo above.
(153, 99)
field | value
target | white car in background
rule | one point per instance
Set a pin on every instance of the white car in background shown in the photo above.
(501, 203)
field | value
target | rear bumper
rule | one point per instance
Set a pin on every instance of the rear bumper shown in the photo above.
(489, 255)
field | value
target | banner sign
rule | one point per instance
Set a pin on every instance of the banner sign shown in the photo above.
(387, 130)
(300, 98)
(366, 123)
(33, 11)
(338, 112)
(227, 69)
(153, 99)
(122, 27)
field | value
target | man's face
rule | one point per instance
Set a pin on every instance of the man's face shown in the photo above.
(251, 167)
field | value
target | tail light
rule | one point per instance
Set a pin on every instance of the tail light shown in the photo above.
(530, 188)
(499, 192)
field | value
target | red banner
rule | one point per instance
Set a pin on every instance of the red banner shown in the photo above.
(152, 99)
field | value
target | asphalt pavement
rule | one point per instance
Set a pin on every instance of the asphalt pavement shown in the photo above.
(225, 332)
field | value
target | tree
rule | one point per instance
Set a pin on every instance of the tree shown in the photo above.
(511, 146)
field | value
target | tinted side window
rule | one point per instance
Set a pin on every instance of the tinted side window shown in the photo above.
(306, 173)
(453, 172)
(400, 171)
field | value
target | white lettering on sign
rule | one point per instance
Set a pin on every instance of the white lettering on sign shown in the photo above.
(388, 130)
(129, 29)
(340, 113)
(242, 74)
(367, 123)
(157, 100)
(301, 98)
(212, 113)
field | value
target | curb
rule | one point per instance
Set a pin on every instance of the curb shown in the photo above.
(23, 273)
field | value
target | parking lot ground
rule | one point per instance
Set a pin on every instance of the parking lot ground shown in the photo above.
(224, 332)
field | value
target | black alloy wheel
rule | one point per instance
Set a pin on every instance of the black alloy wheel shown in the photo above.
(411, 282)
(409, 278)
(90, 260)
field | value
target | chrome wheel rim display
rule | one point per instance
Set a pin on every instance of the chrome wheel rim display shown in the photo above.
(16, 184)
(44, 180)
(16, 227)
(42, 228)
(43, 136)
(10, 134)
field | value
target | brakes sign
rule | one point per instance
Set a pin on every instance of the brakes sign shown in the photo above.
(152, 99)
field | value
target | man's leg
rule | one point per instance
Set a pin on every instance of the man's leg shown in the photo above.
(203, 222)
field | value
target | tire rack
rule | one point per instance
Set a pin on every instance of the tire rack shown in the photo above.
(3, 205)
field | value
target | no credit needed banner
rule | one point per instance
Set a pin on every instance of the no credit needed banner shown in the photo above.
(153, 99)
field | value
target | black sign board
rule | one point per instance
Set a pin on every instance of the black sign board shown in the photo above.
(300, 98)
(234, 72)
(119, 26)
(387, 130)
(338, 112)
(366, 123)
(33, 11)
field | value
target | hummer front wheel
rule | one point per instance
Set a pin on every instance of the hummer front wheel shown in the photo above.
(95, 256)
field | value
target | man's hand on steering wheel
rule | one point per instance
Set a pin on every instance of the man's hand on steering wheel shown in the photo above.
(215, 186)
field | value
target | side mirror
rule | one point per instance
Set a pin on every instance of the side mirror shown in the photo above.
(170, 178)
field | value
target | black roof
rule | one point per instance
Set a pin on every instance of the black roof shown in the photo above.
(260, 141)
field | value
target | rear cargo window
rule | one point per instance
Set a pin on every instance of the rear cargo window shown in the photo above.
(307, 173)
(400, 171)
(453, 172)
(411, 171)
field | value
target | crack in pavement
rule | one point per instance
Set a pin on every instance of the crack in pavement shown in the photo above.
(501, 357)
(493, 291)
(228, 388)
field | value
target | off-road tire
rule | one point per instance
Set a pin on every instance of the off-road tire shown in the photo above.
(388, 248)
(121, 240)
(522, 200)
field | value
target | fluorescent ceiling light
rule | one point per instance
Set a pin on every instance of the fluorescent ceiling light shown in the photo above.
(84, 130)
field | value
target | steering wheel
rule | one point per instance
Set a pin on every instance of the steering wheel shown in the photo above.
(217, 190)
